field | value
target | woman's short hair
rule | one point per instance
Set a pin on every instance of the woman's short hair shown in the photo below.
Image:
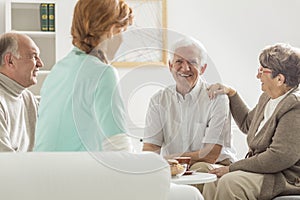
(282, 59)
(92, 19)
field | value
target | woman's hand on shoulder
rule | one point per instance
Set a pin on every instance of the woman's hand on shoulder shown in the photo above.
(218, 89)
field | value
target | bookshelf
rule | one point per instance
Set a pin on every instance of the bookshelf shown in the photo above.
(23, 16)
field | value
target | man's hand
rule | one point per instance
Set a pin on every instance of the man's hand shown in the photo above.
(209, 153)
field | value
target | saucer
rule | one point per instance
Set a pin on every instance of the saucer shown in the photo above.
(188, 172)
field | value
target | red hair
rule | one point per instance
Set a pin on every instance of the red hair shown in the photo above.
(93, 19)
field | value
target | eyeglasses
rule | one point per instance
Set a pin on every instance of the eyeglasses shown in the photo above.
(262, 70)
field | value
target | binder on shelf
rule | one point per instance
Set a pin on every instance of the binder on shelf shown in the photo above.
(44, 16)
(51, 17)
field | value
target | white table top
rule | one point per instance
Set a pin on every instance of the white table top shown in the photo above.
(195, 178)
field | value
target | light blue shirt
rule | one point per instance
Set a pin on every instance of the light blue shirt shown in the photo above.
(80, 105)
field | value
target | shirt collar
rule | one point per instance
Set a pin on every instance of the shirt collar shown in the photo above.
(77, 50)
(192, 95)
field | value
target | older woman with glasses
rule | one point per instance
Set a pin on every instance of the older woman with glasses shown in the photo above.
(272, 165)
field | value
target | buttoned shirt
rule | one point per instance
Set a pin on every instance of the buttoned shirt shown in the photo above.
(184, 124)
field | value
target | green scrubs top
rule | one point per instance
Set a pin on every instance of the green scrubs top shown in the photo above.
(80, 105)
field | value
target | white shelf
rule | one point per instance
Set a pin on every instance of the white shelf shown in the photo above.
(23, 16)
(41, 34)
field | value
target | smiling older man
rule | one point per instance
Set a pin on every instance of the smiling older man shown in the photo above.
(20, 63)
(182, 120)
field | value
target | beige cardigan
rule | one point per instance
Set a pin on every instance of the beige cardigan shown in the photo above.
(275, 150)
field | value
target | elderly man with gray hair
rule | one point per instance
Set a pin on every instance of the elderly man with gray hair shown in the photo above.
(20, 63)
(182, 120)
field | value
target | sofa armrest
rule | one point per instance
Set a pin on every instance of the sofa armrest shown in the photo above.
(83, 175)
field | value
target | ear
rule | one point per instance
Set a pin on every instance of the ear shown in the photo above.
(8, 59)
(202, 69)
(170, 65)
(110, 32)
(280, 79)
(113, 31)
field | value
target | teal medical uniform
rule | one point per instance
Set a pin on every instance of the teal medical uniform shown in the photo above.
(80, 105)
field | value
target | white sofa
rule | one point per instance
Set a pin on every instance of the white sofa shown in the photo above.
(83, 176)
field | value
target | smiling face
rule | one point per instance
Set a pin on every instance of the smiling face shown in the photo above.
(265, 76)
(27, 64)
(273, 86)
(186, 68)
(279, 69)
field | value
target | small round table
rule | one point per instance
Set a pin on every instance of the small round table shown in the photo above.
(195, 178)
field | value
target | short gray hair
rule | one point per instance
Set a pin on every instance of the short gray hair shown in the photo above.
(189, 41)
(8, 44)
(282, 59)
